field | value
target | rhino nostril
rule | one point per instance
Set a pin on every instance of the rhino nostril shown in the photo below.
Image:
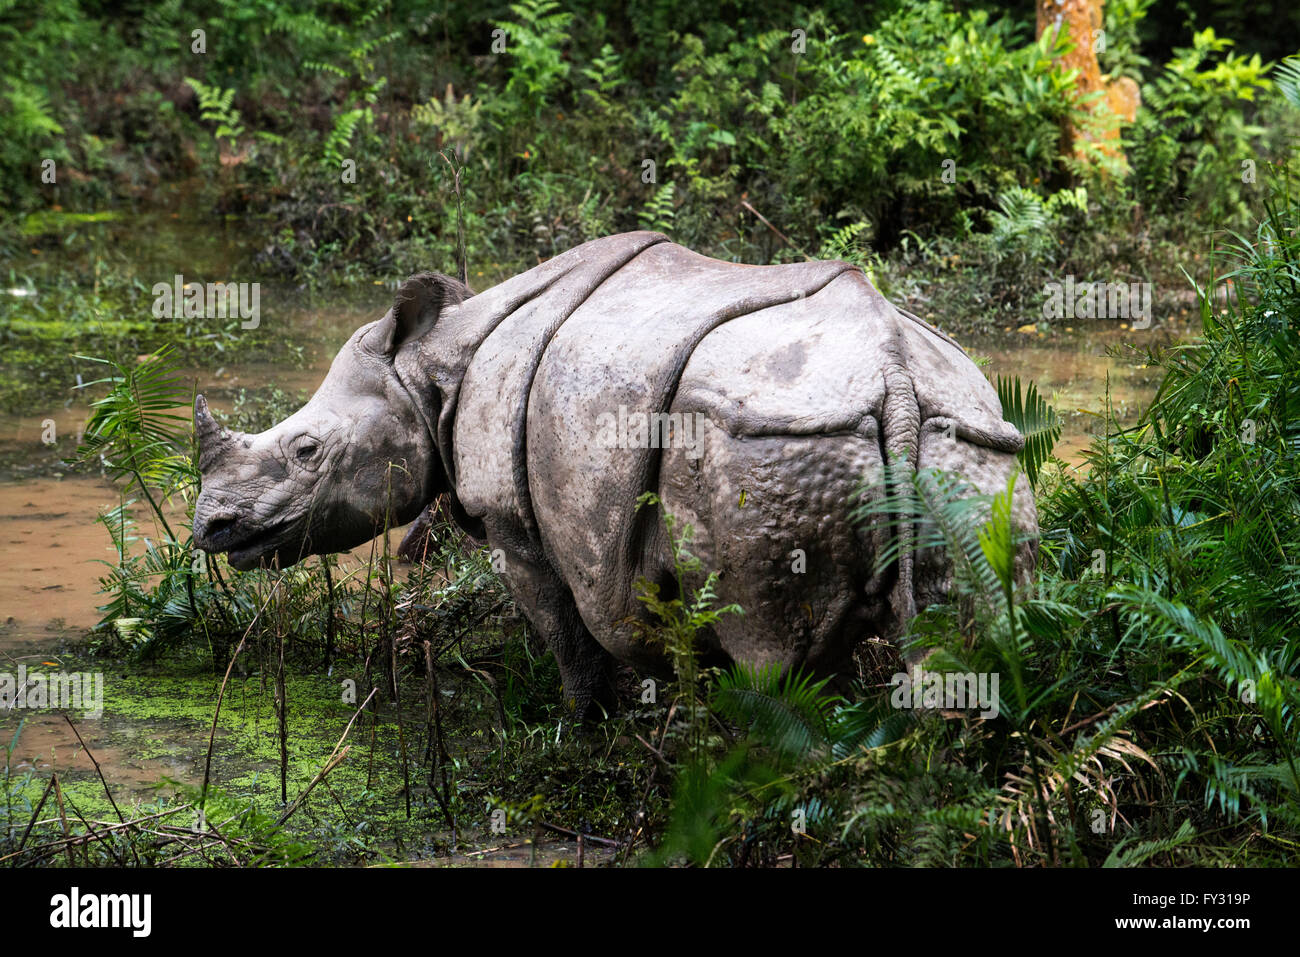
(216, 527)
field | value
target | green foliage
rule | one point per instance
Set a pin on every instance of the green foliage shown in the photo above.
(340, 136)
(847, 243)
(1287, 80)
(1131, 852)
(605, 74)
(927, 87)
(134, 429)
(1193, 516)
(216, 107)
(134, 432)
(1034, 418)
(1028, 223)
(1123, 22)
(787, 712)
(535, 41)
(30, 116)
(751, 800)
(860, 129)
(659, 211)
(457, 122)
(361, 78)
(681, 615)
(1193, 133)
(40, 50)
(163, 833)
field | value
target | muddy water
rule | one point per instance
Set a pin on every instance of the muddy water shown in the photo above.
(49, 540)
(49, 537)
(47, 744)
(1077, 368)
(49, 543)
(52, 549)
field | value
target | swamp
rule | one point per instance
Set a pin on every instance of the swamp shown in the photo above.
(213, 197)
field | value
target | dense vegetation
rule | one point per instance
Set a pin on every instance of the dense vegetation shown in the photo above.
(1149, 675)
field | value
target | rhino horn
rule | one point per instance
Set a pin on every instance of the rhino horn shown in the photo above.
(213, 439)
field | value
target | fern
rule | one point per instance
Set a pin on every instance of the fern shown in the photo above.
(998, 538)
(786, 712)
(535, 41)
(1034, 419)
(605, 73)
(31, 115)
(1131, 852)
(893, 67)
(1287, 79)
(340, 136)
(134, 429)
(216, 106)
(845, 244)
(1066, 199)
(944, 512)
(457, 121)
(330, 68)
(659, 211)
(1027, 222)
(1021, 213)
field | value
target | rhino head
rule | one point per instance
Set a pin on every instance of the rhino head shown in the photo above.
(361, 453)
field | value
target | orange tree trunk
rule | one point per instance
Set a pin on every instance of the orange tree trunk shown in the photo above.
(1118, 101)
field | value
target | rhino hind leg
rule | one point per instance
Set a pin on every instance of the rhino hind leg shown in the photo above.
(987, 470)
(773, 516)
(586, 668)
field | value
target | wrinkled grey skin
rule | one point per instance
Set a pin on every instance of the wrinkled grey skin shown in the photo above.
(807, 382)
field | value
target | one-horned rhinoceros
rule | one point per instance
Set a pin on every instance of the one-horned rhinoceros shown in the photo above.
(754, 400)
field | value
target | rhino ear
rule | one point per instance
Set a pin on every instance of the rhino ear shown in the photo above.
(416, 307)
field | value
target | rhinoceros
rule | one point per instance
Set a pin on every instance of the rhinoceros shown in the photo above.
(755, 401)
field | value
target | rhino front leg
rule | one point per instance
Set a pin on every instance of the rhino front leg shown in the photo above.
(419, 537)
(586, 668)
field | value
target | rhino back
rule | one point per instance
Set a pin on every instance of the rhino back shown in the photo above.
(818, 366)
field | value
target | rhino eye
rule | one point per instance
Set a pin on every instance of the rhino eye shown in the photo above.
(306, 451)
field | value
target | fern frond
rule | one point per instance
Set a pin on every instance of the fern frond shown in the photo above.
(786, 712)
(1286, 76)
(1034, 419)
(1131, 852)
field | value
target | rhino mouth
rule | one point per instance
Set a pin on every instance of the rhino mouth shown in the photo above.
(256, 547)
